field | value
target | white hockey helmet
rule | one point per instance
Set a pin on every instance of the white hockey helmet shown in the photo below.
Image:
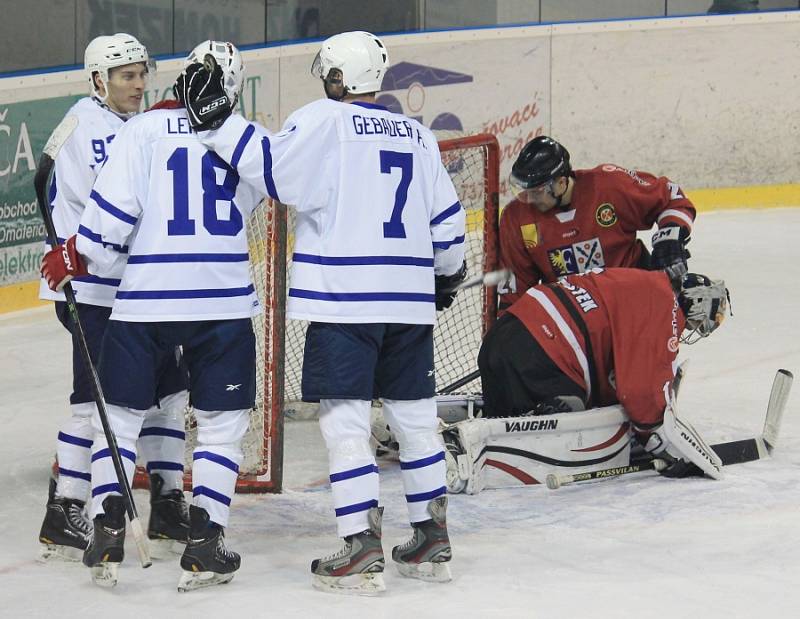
(116, 50)
(360, 56)
(704, 303)
(228, 58)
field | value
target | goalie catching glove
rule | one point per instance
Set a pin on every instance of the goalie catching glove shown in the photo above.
(445, 285)
(684, 450)
(201, 89)
(669, 251)
(62, 264)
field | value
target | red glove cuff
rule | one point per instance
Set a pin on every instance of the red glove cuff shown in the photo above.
(62, 264)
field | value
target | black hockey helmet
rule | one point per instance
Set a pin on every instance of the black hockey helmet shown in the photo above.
(542, 160)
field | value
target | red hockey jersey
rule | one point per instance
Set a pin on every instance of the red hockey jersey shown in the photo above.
(609, 205)
(633, 323)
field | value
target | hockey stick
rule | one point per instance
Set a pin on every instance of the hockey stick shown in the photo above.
(57, 139)
(488, 279)
(732, 452)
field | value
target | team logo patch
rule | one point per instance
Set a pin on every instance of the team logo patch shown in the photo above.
(672, 344)
(606, 215)
(577, 258)
(530, 235)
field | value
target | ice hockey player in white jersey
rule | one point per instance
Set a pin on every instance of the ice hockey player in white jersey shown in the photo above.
(168, 218)
(117, 68)
(379, 241)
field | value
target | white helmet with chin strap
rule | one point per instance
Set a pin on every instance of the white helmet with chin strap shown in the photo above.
(107, 52)
(230, 61)
(704, 303)
(361, 59)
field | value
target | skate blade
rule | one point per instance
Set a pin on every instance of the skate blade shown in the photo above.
(198, 580)
(354, 584)
(105, 574)
(429, 572)
(54, 552)
(165, 548)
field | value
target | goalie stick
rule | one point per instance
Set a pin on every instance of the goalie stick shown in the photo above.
(733, 452)
(57, 139)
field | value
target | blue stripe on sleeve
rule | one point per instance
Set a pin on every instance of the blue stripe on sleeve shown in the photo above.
(363, 260)
(153, 258)
(268, 180)
(111, 209)
(202, 293)
(423, 462)
(345, 475)
(446, 244)
(96, 238)
(356, 507)
(155, 431)
(415, 297)
(426, 496)
(448, 212)
(93, 279)
(237, 152)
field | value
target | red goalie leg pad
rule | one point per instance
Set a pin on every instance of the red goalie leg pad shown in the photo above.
(61, 264)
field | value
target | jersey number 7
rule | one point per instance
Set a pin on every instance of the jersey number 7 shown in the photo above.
(394, 228)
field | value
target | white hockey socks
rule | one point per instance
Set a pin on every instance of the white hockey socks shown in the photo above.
(74, 450)
(126, 424)
(216, 460)
(422, 460)
(345, 426)
(163, 438)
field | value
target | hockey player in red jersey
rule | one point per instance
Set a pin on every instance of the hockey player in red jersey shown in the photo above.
(566, 221)
(605, 337)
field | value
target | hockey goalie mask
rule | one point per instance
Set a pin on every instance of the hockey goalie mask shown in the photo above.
(230, 61)
(704, 303)
(351, 63)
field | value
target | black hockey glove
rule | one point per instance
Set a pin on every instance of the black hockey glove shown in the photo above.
(202, 93)
(669, 251)
(444, 287)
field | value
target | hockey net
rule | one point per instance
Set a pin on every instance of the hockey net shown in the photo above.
(473, 165)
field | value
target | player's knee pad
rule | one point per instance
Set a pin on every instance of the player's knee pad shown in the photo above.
(344, 419)
(221, 427)
(84, 410)
(125, 422)
(411, 417)
(175, 403)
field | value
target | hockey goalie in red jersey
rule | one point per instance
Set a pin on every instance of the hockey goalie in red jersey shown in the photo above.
(603, 338)
(566, 221)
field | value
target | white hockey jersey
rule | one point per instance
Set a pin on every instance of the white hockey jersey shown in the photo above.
(178, 213)
(76, 168)
(377, 213)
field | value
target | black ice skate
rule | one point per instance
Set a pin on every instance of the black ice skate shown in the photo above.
(107, 546)
(66, 530)
(358, 567)
(168, 527)
(426, 554)
(206, 561)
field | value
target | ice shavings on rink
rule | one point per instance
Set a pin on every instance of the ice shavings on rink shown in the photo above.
(638, 547)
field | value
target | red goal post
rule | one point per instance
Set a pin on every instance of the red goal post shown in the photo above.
(473, 164)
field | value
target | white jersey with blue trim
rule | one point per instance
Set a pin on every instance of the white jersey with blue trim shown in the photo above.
(377, 213)
(168, 217)
(76, 167)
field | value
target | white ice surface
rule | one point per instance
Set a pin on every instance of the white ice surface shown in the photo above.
(636, 547)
